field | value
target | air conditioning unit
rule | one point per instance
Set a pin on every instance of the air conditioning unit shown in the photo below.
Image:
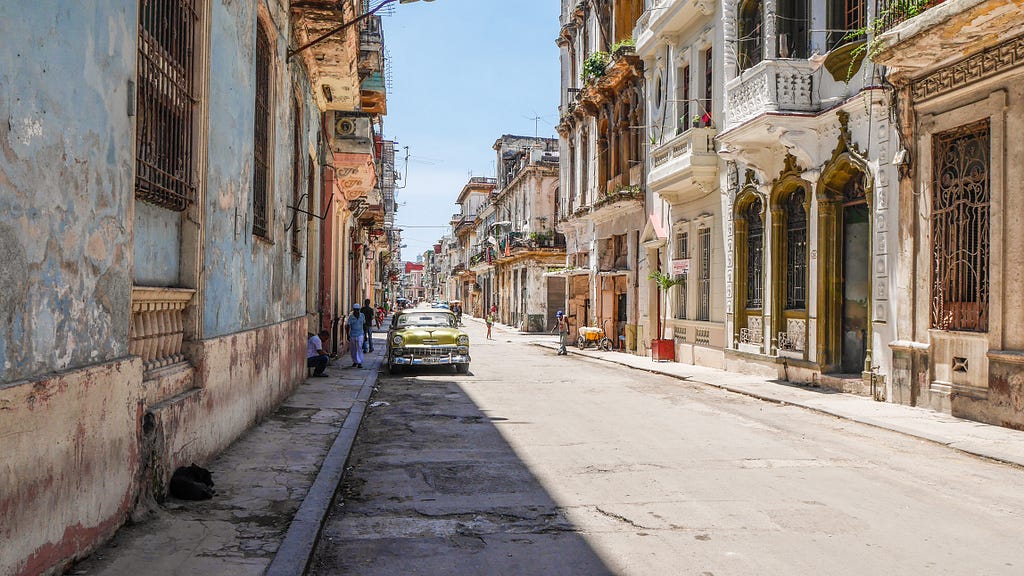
(351, 132)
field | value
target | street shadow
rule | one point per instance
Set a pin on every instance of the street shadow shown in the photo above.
(434, 488)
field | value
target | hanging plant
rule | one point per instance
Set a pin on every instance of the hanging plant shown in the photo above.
(595, 65)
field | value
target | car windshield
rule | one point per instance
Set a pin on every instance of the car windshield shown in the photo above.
(425, 319)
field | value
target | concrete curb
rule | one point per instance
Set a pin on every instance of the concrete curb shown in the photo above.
(296, 550)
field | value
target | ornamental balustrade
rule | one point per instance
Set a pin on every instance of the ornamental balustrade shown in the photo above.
(158, 325)
(771, 86)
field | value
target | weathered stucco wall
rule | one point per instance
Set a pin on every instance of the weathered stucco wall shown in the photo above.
(249, 282)
(65, 184)
(68, 475)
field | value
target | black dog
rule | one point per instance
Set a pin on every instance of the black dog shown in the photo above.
(192, 483)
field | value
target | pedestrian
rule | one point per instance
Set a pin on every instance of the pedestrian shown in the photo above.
(368, 314)
(354, 323)
(316, 358)
(562, 325)
(490, 322)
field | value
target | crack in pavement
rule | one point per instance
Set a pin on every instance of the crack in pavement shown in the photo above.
(621, 518)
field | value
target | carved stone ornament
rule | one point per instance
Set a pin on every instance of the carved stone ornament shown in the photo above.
(970, 70)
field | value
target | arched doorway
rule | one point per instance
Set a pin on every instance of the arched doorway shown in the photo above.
(749, 269)
(790, 211)
(844, 291)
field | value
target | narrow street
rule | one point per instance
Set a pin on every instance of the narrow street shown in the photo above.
(540, 464)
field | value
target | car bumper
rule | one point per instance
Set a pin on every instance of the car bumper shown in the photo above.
(430, 360)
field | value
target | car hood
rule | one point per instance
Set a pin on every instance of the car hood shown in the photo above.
(430, 335)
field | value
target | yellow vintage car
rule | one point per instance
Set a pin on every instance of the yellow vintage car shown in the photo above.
(426, 337)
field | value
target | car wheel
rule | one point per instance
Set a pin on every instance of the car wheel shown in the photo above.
(462, 368)
(393, 369)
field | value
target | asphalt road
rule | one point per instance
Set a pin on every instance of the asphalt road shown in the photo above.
(537, 464)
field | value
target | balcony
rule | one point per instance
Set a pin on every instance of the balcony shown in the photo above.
(689, 160)
(665, 17)
(371, 47)
(772, 86)
(373, 94)
(918, 34)
(618, 201)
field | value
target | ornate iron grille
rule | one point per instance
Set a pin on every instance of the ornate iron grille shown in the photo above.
(960, 228)
(296, 176)
(755, 255)
(166, 101)
(261, 140)
(796, 252)
(684, 252)
(704, 275)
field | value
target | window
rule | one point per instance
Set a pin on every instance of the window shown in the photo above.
(164, 171)
(792, 23)
(709, 66)
(796, 252)
(261, 140)
(621, 251)
(755, 255)
(960, 228)
(704, 275)
(296, 177)
(683, 106)
(750, 39)
(683, 253)
(845, 15)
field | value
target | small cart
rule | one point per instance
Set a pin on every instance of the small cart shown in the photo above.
(592, 336)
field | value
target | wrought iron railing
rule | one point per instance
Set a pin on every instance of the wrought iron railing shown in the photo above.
(893, 12)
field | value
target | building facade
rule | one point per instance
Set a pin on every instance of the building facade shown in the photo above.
(601, 206)
(680, 43)
(958, 69)
(525, 242)
(161, 257)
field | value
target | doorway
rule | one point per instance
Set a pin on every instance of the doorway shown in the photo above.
(856, 278)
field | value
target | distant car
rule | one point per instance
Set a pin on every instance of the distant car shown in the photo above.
(426, 337)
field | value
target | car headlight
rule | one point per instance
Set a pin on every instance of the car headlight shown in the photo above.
(398, 340)
(463, 340)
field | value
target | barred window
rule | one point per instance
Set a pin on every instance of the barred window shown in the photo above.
(296, 177)
(755, 255)
(684, 252)
(704, 275)
(261, 138)
(166, 97)
(796, 252)
(960, 228)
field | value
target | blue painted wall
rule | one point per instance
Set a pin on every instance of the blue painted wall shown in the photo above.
(250, 282)
(66, 168)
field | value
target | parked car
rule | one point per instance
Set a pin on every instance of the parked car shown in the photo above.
(426, 337)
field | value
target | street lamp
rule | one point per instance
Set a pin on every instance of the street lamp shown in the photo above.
(345, 25)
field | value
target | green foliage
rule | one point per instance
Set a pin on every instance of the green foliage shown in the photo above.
(595, 65)
(627, 43)
(896, 11)
(664, 281)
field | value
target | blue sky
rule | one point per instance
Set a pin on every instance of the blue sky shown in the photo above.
(464, 72)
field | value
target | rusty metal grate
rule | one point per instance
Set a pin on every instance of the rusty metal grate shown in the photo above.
(261, 140)
(165, 78)
(796, 252)
(960, 228)
(755, 255)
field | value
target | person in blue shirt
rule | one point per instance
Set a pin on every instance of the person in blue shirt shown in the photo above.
(355, 323)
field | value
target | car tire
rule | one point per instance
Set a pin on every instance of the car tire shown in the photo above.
(393, 369)
(462, 368)
(581, 342)
(606, 344)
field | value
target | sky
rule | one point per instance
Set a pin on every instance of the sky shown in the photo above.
(463, 73)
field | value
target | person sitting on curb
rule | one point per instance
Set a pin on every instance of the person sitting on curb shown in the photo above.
(316, 358)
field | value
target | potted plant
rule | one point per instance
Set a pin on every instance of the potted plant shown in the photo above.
(662, 348)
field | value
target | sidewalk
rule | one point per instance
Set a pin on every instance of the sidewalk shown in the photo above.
(274, 486)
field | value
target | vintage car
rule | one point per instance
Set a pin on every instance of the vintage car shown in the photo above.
(426, 337)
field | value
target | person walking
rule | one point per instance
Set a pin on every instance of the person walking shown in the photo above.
(354, 323)
(368, 314)
(562, 325)
(490, 322)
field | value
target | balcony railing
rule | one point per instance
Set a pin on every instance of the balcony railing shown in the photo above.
(771, 86)
(892, 12)
(158, 325)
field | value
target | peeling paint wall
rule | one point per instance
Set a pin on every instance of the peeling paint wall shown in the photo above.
(250, 282)
(65, 184)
